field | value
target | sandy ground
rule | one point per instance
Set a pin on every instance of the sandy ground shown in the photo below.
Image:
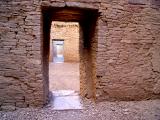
(138, 110)
(134, 110)
(64, 76)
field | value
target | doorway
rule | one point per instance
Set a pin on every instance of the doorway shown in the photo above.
(64, 81)
(64, 56)
(57, 51)
(87, 20)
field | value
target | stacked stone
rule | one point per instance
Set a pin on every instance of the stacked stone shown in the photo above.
(126, 61)
(132, 42)
(21, 83)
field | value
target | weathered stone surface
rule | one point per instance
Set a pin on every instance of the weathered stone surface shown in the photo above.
(139, 2)
(156, 59)
(119, 50)
(155, 2)
(8, 108)
(53, 4)
(81, 5)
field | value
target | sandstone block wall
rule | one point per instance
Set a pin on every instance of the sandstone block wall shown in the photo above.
(21, 79)
(69, 32)
(132, 42)
(127, 44)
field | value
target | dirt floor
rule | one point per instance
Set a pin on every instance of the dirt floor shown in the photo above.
(134, 110)
(64, 76)
(137, 110)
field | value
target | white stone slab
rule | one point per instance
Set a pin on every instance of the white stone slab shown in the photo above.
(66, 100)
(64, 93)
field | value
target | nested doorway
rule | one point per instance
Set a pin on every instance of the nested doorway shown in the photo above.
(57, 51)
(64, 56)
(87, 20)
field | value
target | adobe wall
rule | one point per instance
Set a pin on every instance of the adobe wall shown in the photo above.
(127, 56)
(69, 32)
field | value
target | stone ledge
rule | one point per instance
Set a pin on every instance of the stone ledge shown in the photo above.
(81, 5)
(54, 4)
(137, 2)
(8, 108)
(68, 4)
(155, 2)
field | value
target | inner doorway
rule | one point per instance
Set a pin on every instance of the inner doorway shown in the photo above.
(64, 56)
(57, 47)
(64, 76)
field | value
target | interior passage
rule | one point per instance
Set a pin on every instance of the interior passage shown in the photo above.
(64, 82)
(64, 76)
(64, 56)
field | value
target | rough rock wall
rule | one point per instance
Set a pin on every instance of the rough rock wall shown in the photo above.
(132, 50)
(69, 32)
(127, 57)
(21, 80)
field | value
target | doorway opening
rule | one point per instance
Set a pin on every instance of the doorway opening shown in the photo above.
(57, 51)
(86, 19)
(64, 81)
(64, 56)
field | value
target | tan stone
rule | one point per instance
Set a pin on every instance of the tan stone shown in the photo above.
(118, 49)
(8, 108)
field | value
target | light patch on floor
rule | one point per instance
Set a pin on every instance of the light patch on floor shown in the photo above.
(65, 100)
(64, 76)
(64, 86)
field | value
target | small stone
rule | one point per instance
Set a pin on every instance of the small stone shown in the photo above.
(8, 108)
(140, 2)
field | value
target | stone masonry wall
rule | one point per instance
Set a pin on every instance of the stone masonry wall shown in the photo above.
(127, 56)
(132, 51)
(69, 32)
(21, 80)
